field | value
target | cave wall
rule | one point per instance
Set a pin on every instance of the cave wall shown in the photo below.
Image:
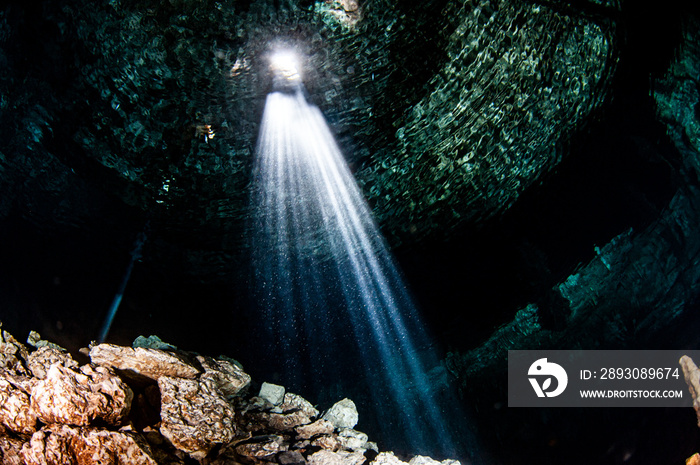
(446, 110)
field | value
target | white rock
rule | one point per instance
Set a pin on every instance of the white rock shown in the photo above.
(387, 458)
(272, 393)
(343, 414)
(352, 440)
(423, 460)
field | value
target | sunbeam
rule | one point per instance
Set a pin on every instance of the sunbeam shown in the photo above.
(330, 293)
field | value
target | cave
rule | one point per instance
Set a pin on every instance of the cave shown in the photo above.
(531, 167)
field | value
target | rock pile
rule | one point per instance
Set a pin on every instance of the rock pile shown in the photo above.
(154, 404)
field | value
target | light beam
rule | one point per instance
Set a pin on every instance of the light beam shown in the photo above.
(331, 298)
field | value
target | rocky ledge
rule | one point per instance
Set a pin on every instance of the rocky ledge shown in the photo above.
(155, 404)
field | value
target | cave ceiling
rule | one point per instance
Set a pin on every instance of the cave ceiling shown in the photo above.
(149, 110)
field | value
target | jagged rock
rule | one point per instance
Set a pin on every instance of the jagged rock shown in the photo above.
(278, 422)
(343, 414)
(327, 442)
(152, 342)
(78, 398)
(228, 377)
(195, 416)
(292, 457)
(12, 353)
(387, 458)
(41, 360)
(326, 457)
(314, 429)
(15, 412)
(296, 402)
(62, 444)
(423, 460)
(352, 458)
(371, 445)
(34, 339)
(692, 378)
(272, 393)
(287, 421)
(150, 363)
(262, 447)
(10, 450)
(351, 439)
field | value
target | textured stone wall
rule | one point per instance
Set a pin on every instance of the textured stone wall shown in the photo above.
(446, 111)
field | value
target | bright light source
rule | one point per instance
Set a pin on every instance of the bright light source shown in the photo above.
(286, 63)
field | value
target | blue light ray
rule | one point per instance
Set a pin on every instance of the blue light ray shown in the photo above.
(332, 300)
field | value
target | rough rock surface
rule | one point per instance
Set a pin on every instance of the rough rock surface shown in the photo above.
(296, 402)
(80, 397)
(12, 353)
(316, 428)
(343, 414)
(41, 360)
(470, 109)
(61, 444)
(152, 342)
(195, 416)
(150, 363)
(15, 412)
(206, 415)
(692, 378)
(10, 451)
(638, 284)
(272, 393)
(228, 377)
(351, 439)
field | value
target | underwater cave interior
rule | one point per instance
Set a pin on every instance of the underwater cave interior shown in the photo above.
(364, 199)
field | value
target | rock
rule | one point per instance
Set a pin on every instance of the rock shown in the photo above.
(451, 462)
(693, 459)
(326, 457)
(195, 416)
(296, 402)
(262, 447)
(287, 421)
(291, 457)
(423, 460)
(15, 412)
(151, 363)
(10, 450)
(41, 360)
(387, 458)
(371, 445)
(272, 393)
(34, 339)
(78, 398)
(59, 444)
(12, 353)
(228, 377)
(692, 379)
(327, 442)
(314, 429)
(343, 414)
(352, 458)
(152, 342)
(351, 439)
